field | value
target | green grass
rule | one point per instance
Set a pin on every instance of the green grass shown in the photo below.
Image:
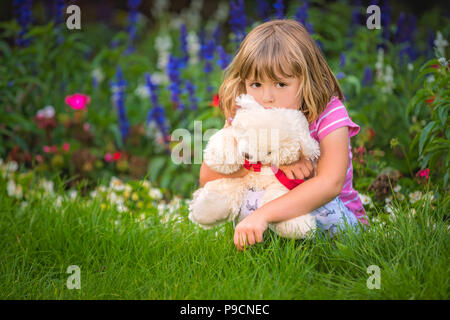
(180, 261)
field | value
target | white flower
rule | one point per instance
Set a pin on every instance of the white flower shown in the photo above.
(163, 43)
(162, 207)
(412, 213)
(11, 188)
(388, 199)
(11, 166)
(443, 62)
(72, 194)
(389, 208)
(379, 65)
(397, 188)
(121, 207)
(116, 184)
(429, 196)
(142, 91)
(193, 47)
(155, 193)
(440, 43)
(97, 74)
(400, 196)
(127, 188)
(430, 78)
(47, 112)
(47, 185)
(159, 7)
(388, 79)
(18, 192)
(93, 194)
(58, 202)
(159, 78)
(410, 67)
(23, 204)
(365, 199)
(146, 184)
(415, 196)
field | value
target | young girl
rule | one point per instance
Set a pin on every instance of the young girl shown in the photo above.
(280, 65)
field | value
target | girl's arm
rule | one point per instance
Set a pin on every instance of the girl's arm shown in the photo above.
(319, 190)
(306, 197)
(207, 174)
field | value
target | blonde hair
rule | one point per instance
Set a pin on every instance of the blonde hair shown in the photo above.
(280, 47)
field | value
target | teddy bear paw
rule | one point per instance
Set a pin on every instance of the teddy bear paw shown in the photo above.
(209, 208)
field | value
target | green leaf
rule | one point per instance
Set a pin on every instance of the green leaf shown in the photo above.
(424, 135)
(155, 166)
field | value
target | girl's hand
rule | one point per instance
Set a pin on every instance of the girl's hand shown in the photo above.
(302, 169)
(250, 230)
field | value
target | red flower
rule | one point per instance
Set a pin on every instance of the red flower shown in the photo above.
(116, 156)
(431, 99)
(78, 101)
(372, 134)
(215, 102)
(54, 148)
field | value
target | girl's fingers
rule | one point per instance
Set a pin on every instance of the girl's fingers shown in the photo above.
(251, 238)
(243, 241)
(259, 236)
(310, 166)
(236, 240)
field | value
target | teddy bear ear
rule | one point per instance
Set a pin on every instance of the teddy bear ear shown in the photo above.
(247, 101)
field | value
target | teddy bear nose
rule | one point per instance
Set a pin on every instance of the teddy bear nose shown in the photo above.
(246, 155)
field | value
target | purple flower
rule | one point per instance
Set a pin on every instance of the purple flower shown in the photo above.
(279, 9)
(342, 60)
(301, 14)
(184, 46)
(368, 76)
(22, 11)
(340, 75)
(224, 58)
(119, 102)
(132, 22)
(238, 19)
(192, 97)
(175, 81)
(207, 52)
(357, 16)
(156, 113)
(263, 9)
(404, 36)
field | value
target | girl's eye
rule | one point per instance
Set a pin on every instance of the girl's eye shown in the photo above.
(280, 83)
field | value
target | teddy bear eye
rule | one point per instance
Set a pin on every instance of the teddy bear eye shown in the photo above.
(269, 153)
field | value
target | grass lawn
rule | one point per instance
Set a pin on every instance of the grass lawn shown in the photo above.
(128, 259)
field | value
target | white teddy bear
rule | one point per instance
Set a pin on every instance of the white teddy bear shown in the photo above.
(275, 136)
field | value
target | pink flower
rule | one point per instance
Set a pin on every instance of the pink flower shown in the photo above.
(54, 148)
(78, 101)
(86, 126)
(423, 173)
(108, 157)
(66, 146)
(46, 149)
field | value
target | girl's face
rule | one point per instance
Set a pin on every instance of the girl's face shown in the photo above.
(271, 94)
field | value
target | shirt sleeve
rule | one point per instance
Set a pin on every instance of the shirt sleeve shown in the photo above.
(334, 117)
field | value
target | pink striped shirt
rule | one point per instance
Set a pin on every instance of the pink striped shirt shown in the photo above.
(333, 117)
